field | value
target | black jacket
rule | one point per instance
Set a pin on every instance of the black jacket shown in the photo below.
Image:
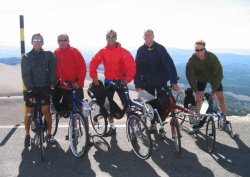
(38, 69)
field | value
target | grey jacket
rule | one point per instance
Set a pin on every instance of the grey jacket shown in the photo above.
(38, 69)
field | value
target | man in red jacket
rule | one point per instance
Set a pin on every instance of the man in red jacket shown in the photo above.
(71, 66)
(118, 64)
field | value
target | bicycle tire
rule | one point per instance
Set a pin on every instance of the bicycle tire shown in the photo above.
(78, 139)
(139, 136)
(55, 121)
(41, 141)
(210, 134)
(176, 136)
(180, 102)
(98, 121)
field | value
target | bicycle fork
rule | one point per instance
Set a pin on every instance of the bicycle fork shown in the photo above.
(174, 119)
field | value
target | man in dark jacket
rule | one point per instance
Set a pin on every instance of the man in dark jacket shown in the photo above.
(38, 74)
(154, 68)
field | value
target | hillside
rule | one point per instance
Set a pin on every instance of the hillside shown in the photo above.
(236, 77)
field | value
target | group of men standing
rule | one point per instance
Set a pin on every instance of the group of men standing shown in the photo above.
(152, 68)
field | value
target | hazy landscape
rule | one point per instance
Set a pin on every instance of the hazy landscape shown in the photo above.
(236, 75)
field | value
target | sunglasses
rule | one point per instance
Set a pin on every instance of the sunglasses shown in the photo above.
(37, 40)
(199, 50)
(62, 40)
(114, 36)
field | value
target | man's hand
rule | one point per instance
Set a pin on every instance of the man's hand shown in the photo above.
(198, 95)
(30, 95)
(176, 87)
(96, 81)
(138, 89)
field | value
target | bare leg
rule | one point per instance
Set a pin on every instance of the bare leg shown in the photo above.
(46, 113)
(198, 96)
(27, 119)
(221, 101)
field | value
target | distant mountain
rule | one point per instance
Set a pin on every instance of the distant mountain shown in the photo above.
(236, 73)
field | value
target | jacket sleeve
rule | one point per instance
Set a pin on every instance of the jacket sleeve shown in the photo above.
(190, 74)
(52, 68)
(129, 66)
(217, 72)
(94, 63)
(26, 73)
(81, 67)
(139, 70)
(169, 65)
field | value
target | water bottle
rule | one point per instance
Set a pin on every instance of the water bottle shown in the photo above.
(33, 126)
(204, 107)
(85, 108)
(52, 108)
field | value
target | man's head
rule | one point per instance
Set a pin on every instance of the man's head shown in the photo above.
(148, 36)
(37, 41)
(63, 40)
(200, 49)
(111, 37)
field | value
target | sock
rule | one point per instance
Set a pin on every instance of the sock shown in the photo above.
(112, 125)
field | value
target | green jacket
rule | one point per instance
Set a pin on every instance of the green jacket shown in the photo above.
(207, 71)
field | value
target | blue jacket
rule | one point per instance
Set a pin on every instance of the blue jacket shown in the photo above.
(155, 66)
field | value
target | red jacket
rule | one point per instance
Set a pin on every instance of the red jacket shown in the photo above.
(70, 65)
(117, 62)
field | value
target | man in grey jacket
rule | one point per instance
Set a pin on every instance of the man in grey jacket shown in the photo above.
(38, 74)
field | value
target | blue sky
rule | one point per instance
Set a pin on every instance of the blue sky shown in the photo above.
(223, 24)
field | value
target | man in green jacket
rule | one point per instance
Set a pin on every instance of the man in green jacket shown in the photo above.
(204, 67)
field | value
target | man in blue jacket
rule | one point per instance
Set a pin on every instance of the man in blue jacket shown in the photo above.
(154, 68)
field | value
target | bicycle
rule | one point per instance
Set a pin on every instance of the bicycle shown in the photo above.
(78, 127)
(41, 127)
(206, 114)
(172, 111)
(137, 132)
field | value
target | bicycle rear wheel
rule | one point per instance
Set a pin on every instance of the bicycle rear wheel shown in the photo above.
(78, 135)
(210, 134)
(180, 102)
(41, 141)
(55, 121)
(98, 121)
(176, 136)
(139, 136)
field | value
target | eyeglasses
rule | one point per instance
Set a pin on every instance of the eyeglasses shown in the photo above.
(62, 40)
(37, 40)
(199, 50)
(114, 36)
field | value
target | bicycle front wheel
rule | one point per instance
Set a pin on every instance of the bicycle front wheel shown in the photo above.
(55, 120)
(176, 136)
(180, 102)
(210, 134)
(98, 121)
(139, 136)
(41, 141)
(78, 135)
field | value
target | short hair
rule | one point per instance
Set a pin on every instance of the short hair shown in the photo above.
(111, 31)
(64, 34)
(201, 42)
(37, 34)
(148, 30)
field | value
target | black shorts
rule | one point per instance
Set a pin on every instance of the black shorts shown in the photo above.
(111, 91)
(201, 86)
(41, 93)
